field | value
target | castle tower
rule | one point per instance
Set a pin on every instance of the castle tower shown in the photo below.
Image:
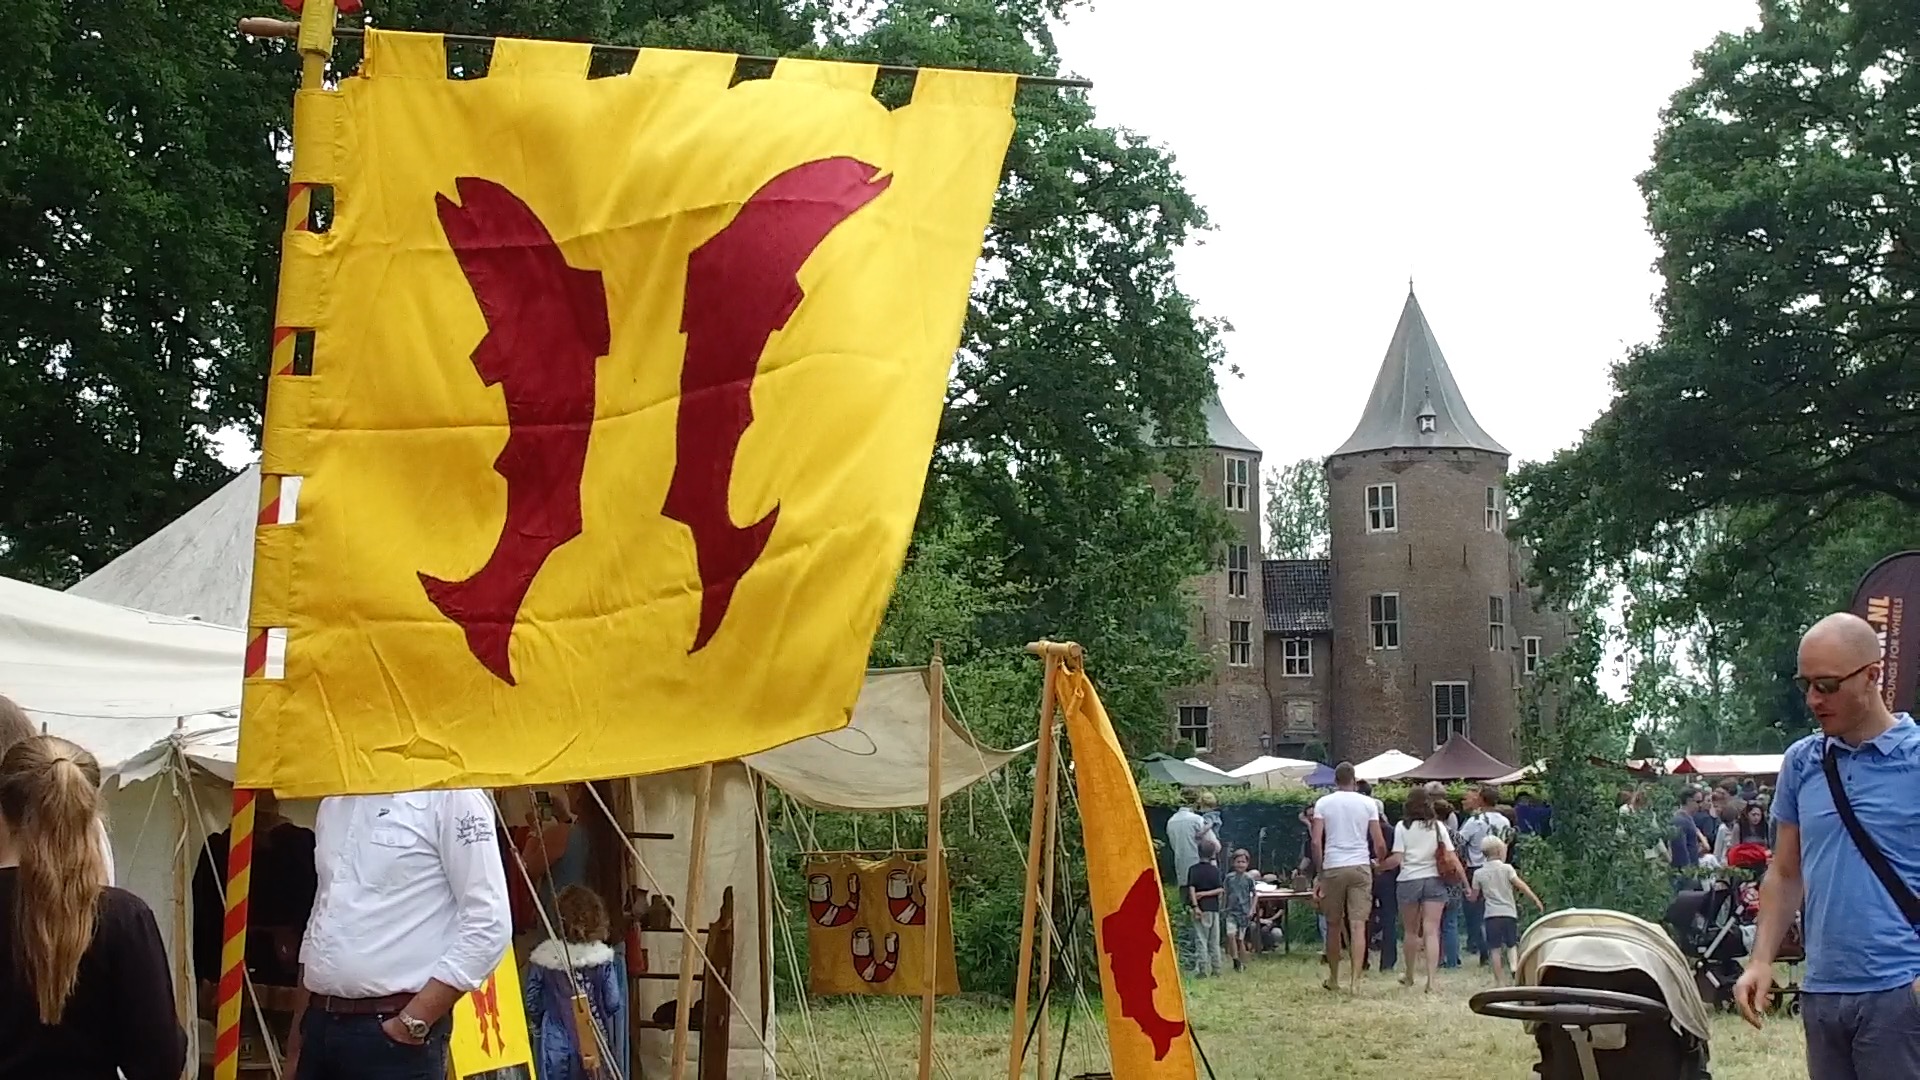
(1225, 717)
(1424, 633)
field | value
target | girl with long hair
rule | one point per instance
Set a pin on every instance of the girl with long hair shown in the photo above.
(1422, 895)
(85, 990)
(16, 727)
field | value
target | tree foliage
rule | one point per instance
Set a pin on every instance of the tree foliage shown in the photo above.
(140, 202)
(1297, 511)
(1755, 458)
(1785, 378)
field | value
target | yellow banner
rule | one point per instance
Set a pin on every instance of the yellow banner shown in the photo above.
(610, 400)
(490, 1037)
(867, 928)
(1139, 968)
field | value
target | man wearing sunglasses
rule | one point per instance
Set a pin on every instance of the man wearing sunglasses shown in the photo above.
(1861, 921)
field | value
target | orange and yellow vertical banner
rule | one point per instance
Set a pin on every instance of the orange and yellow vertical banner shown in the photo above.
(490, 1037)
(1139, 968)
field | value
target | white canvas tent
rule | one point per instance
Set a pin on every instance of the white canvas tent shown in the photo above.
(1382, 766)
(1267, 771)
(170, 728)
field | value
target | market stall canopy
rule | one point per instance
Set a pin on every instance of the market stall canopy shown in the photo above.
(1171, 770)
(1459, 759)
(1267, 771)
(1207, 765)
(197, 567)
(1383, 766)
(1730, 764)
(879, 761)
(114, 680)
(1321, 776)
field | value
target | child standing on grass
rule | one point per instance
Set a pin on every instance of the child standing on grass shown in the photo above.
(1204, 887)
(1494, 885)
(1238, 913)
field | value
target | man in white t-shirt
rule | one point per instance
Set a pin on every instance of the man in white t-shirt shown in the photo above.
(1346, 838)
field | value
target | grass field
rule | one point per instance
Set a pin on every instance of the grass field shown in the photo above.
(1272, 1022)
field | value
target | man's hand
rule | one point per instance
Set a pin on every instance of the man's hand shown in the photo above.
(1319, 893)
(1196, 914)
(1754, 992)
(398, 1032)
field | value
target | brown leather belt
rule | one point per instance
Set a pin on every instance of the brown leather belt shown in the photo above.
(392, 1003)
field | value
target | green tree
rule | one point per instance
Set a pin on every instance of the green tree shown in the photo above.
(140, 202)
(1297, 511)
(1785, 378)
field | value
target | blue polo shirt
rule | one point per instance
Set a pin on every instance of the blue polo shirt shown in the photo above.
(1858, 942)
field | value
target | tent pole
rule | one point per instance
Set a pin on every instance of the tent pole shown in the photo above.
(1046, 916)
(1036, 839)
(935, 887)
(689, 911)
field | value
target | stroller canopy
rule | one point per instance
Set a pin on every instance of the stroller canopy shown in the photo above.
(1590, 939)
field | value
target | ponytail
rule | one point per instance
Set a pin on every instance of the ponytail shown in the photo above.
(50, 797)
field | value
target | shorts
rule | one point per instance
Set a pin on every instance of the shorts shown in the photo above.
(1235, 922)
(1348, 891)
(1426, 890)
(1503, 932)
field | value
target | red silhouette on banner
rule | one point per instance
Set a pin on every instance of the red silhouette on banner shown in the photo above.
(546, 330)
(869, 967)
(820, 903)
(486, 1010)
(742, 285)
(1131, 939)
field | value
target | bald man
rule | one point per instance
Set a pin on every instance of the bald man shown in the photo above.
(1861, 1004)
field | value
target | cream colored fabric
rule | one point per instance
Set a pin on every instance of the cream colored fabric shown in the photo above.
(1591, 939)
(879, 761)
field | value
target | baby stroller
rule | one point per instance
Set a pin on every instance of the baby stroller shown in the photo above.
(1607, 996)
(1715, 927)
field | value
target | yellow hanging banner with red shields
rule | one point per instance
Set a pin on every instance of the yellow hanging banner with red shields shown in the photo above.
(1139, 967)
(490, 1036)
(609, 402)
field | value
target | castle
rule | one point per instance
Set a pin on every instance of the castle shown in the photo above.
(1418, 627)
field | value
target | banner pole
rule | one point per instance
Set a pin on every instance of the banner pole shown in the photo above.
(936, 877)
(696, 882)
(1036, 838)
(315, 34)
(1046, 915)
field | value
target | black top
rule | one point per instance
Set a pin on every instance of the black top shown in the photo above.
(284, 883)
(1201, 878)
(121, 1012)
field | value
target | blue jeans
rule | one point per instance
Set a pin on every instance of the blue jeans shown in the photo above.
(337, 1047)
(1475, 912)
(1386, 916)
(1450, 931)
(1863, 1036)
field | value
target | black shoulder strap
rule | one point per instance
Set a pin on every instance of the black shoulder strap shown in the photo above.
(1903, 897)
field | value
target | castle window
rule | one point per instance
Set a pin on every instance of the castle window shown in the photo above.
(1236, 486)
(1496, 510)
(1449, 711)
(1239, 643)
(1196, 726)
(1383, 513)
(1426, 424)
(1239, 559)
(1296, 657)
(1383, 612)
(1530, 655)
(1497, 623)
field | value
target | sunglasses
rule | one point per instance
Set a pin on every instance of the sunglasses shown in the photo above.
(1829, 684)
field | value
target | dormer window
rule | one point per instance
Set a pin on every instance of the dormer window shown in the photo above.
(1426, 425)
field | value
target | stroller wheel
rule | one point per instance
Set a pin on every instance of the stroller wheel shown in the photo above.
(1793, 1004)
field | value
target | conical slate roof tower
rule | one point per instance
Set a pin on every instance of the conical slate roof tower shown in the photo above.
(1424, 583)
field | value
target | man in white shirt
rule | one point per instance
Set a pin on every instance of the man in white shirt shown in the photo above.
(1346, 837)
(1184, 832)
(411, 914)
(1482, 821)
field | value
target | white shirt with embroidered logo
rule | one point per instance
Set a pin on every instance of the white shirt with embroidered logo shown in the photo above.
(411, 888)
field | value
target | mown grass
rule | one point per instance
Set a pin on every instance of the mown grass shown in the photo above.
(1271, 1022)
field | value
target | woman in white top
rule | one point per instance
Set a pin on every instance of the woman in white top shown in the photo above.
(1417, 841)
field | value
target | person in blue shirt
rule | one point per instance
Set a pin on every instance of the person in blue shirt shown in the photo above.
(1686, 845)
(1861, 1005)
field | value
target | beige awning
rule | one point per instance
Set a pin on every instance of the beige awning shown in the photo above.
(879, 761)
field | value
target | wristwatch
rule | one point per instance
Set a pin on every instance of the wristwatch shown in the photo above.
(416, 1028)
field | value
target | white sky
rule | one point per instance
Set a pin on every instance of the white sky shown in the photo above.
(1487, 148)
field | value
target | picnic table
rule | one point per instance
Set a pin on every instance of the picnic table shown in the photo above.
(1273, 903)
